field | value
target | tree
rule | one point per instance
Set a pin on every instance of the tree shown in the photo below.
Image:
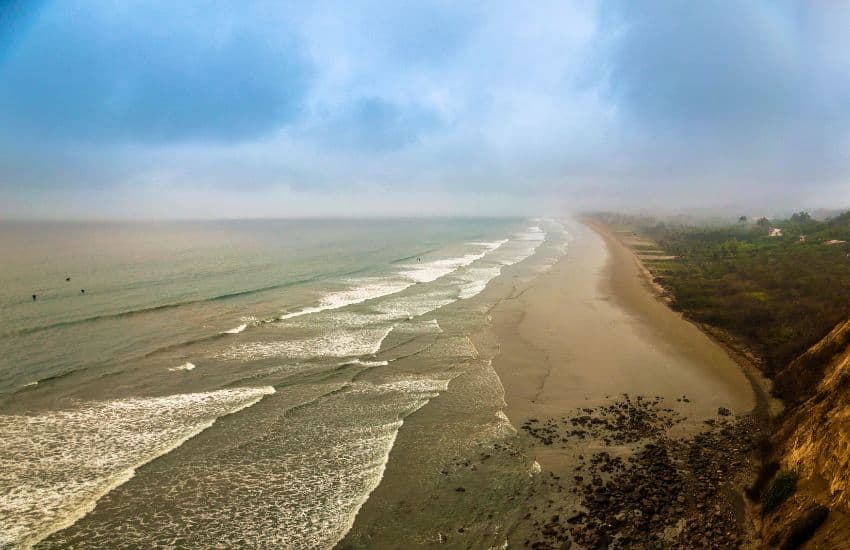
(801, 217)
(742, 219)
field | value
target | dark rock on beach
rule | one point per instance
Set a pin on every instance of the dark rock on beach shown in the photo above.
(666, 493)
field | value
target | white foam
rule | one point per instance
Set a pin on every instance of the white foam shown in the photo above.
(331, 343)
(236, 330)
(300, 312)
(429, 386)
(366, 290)
(417, 304)
(489, 245)
(533, 233)
(535, 237)
(505, 422)
(362, 291)
(295, 481)
(472, 289)
(366, 363)
(55, 465)
(303, 482)
(368, 445)
(477, 279)
(185, 366)
(380, 342)
(427, 272)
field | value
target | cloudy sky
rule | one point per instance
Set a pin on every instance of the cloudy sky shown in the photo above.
(123, 108)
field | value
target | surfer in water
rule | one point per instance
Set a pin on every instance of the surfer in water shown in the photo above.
(34, 296)
(82, 291)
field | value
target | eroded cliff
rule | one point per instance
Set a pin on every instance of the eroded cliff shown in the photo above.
(813, 443)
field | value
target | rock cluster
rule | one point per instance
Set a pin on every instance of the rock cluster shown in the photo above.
(626, 420)
(668, 493)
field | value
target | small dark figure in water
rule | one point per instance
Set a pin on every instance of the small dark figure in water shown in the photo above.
(67, 279)
(34, 296)
(418, 259)
(82, 291)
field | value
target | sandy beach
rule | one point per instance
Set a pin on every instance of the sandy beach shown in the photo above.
(591, 328)
(580, 336)
(567, 342)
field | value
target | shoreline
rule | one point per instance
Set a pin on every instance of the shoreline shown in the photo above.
(594, 308)
(767, 407)
(590, 341)
(603, 386)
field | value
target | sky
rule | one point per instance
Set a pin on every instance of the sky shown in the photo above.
(214, 109)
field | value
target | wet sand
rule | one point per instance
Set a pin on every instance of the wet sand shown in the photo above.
(566, 342)
(592, 328)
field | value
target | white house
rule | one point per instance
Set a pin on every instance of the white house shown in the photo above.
(774, 232)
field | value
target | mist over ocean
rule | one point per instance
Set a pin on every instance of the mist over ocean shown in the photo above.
(232, 383)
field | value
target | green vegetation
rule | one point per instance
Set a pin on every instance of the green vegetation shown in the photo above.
(782, 487)
(778, 295)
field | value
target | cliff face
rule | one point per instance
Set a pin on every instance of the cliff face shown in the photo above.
(803, 377)
(817, 442)
(813, 439)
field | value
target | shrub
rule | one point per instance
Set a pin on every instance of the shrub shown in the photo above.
(776, 296)
(805, 526)
(766, 472)
(782, 487)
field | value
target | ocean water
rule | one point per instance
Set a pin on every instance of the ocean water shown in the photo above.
(233, 383)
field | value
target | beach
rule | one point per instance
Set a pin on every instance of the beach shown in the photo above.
(593, 335)
(593, 327)
(569, 342)
(491, 389)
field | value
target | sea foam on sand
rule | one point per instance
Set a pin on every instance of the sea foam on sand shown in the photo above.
(55, 465)
(299, 485)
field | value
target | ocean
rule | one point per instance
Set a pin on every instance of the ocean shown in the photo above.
(240, 383)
